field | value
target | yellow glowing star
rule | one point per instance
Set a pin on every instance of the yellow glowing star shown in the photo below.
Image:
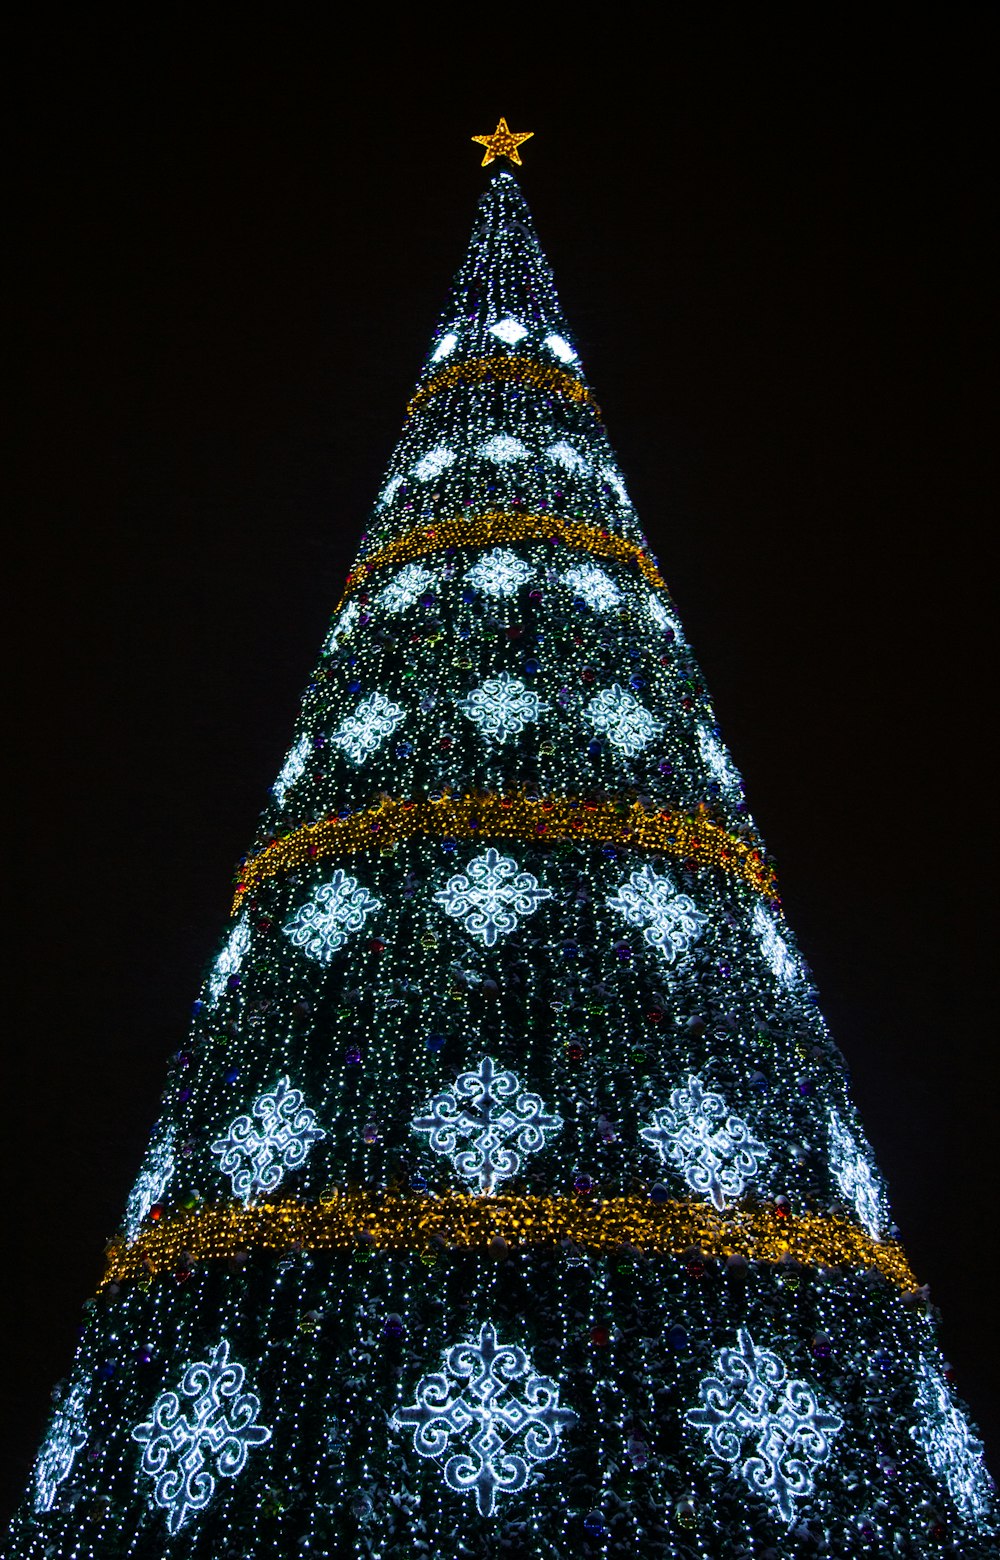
(502, 143)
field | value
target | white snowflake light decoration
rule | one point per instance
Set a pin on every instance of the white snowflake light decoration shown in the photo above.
(768, 1425)
(670, 921)
(491, 895)
(344, 626)
(853, 1174)
(363, 732)
(292, 769)
(714, 1151)
(67, 1433)
(509, 330)
(484, 1122)
(323, 924)
(595, 587)
(783, 963)
(155, 1176)
(390, 490)
(954, 1454)
(615, 483)
(560, 348)
(502, 449)
(256, 1153)
(188, 1445)
(491, 1412)
(499, 573)
(662, 619)
(445, 347)
(617, 714)
(412, 582)
(229, 960)
(566, 456)
(433, 463)
(716, 760)
(501, 707)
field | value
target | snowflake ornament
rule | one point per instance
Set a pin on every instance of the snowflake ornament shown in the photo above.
(716, 760)
(344, 626)
(445, 347)
(853, 1174)
(490, 896)
(433, 463)
(751, 1406)
(188, 1445)
(501, 707)
(614, 480)
(67, 1433)
(953, 1453)
(595, 587)
(783, 963)
(229, 960)
(363, 732)
(499, 573)
(255, 1154)
(484, 1122)
(406, 588)
(509, 330)
(502, 449)
(491, 1412)
(292, 769)
(155, 1176)
(617, 714)
(390, 490)
(323, 924)
(566, 456)
(560, 348)
(670, 921)
(662, 619)
(714, 1151)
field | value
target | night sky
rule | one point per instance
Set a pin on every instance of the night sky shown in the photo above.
(773, 248)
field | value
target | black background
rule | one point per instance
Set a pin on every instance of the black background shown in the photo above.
(771, 239)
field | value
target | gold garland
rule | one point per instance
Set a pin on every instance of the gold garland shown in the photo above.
(496, 527)
(347, 1220)
(548, 821)
(474, 371)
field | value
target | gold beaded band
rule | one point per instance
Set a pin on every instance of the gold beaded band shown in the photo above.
(360, 1220)
(506, 370)
(496, 527)
(547, 821)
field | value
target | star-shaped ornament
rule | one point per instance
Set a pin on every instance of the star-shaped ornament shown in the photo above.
(502, 143)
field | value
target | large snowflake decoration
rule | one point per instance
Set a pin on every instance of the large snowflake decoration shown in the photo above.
(560, 348)
(594, 586)
(662, 619)
(671, 924)
(566, 456)
(499, 573)
(491, 895)
(155, 1176)
(484, 1122)
(714, 1151)
(853, 1173)
(433, 463)
(614, 480)
(509, 330)
(323, 924)
(292, 769)
(751, 1406)
(617, 714)
(784, 965)
(501, 707)
(716, 760)
(344, 625)
(256, 1153)
(407, 587)
(489, 1410)
(361, 733)
(67, 1433)
(230, 959)
(188, 1445)
(502, 448)
(955, 1455)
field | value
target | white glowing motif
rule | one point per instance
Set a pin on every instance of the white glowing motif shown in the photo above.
(390, 490)
(618, 715)
(509, 330)
(716, 760)
(490, 1414)
(784, 965)
(954, 1454)
(853, 1175)
(67, 1433)
(344, 625)
(291, 770)
(769, 1426)
(188, 1445)
(155, 1176)
(566, 456)
(362, 733)
(503, 449)
(670, 921)
(323, 924)
(560, 348)
(490, 896)
(662, 619)
(445, 347)
(499, 573)
(406, 588)
(501, 707)
(484, 1122)
(229, 960)
(434, 462)
(275, 1137)
(593, 586)
(615, 483)
(714, 1151)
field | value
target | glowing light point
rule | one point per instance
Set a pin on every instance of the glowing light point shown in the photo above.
(445, 347)
(501, 707)
(561, 349)
(484, 1122)
(714, 1151)
(323, 924)
(373, 721)
(509, 330)
(499, 573)
(503, 449)
(256, 1157)
(490, 896)
(671, 922)
(618, 715)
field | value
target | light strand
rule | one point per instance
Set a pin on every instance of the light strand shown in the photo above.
(476, 371)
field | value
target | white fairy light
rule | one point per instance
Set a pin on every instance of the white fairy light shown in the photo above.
(953, 1453)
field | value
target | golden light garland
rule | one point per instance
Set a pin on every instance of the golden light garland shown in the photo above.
(501, 370)
(549, 820)
(345, 1220)
(496, 527)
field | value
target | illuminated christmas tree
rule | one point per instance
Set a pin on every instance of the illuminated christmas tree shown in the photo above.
(507, 1196)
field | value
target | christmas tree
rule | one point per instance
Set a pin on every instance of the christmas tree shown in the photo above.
(507, 1195)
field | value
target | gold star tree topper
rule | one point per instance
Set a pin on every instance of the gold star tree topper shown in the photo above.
(502, 143)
